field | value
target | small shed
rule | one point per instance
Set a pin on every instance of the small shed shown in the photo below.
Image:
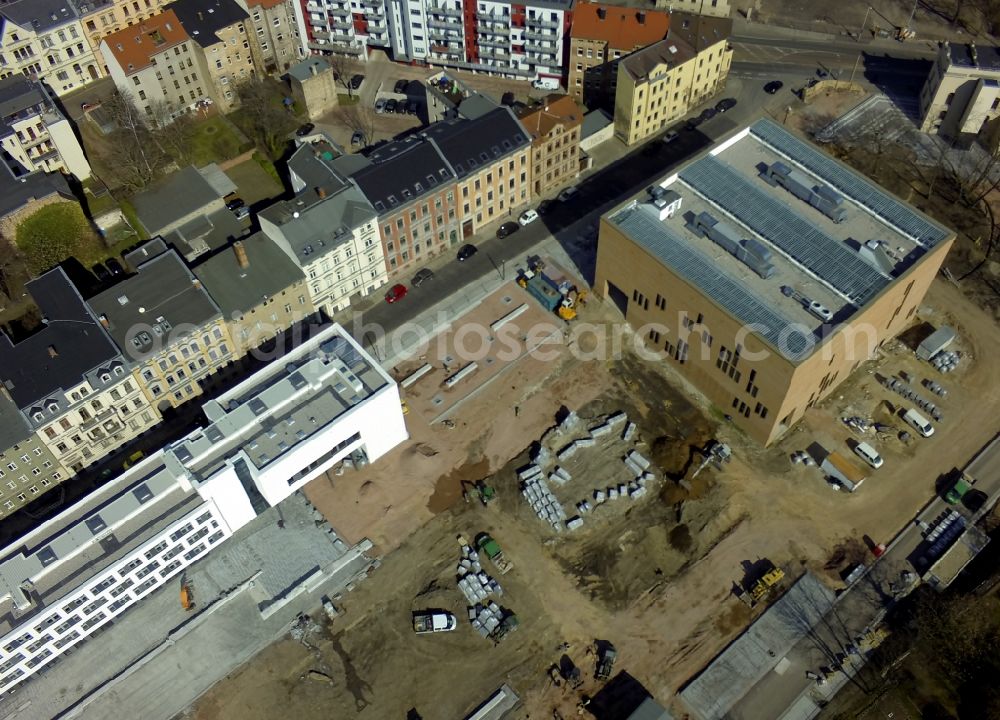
(935, 342)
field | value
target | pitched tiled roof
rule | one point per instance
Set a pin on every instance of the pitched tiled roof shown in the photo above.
(623, 28)
(554, 110)
(203, 19)
(134, 46)
(672, 53)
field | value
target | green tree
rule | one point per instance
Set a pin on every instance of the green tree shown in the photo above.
(265, 120)
(52, 234)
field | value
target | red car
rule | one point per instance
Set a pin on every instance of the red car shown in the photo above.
(396, 292)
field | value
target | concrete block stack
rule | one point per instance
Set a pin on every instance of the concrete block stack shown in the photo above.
(485, 618)
(536, 491)
(628, 432)
(475, 583)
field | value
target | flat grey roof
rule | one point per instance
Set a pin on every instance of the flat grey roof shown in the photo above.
(841, 265)
(238, 289)
(595, 121)
(147, 312)
(178, 194)
(304, 70)
(754, 653)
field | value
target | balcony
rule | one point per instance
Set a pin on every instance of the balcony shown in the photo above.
(546, 50)
(538, 22)
(491, 17)
(445, 24)
(341, 25)
(373, 4)
(103, 423)
(493, 30)
(447, 38)
(531, 35)
(494, 54)
(491, 42)
(446, 52)
(444, 11)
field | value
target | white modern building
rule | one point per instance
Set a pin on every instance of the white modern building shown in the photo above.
(492, 36)
(326, 402)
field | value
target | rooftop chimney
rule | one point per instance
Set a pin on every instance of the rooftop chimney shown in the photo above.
(200, 15)
(241, 254)
(321, 192)
(641, 17)
(104, 322)
(601, 13)
(312, 69)
(53, 353)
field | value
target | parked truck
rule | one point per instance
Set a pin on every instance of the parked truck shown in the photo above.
(432, 621)
(491, 549)
(558, 296)
(606, 662)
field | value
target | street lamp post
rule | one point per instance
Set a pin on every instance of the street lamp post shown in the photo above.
(865, 23)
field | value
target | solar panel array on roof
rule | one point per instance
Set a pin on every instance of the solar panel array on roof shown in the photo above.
(339, 347)
(826, 258)
(703, 272)
(885, 207)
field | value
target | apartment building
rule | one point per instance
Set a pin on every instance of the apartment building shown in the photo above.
(490, 155)
(329, 230)
(762, 300)
(168, 327)
(70, 382)
(324, 403)
(28, 468)
(260, 290)
(221, 37)
(601, 35)
(34, 134)
(554, 125)
(412, 188)
(157, 63)
(662, 82)
(276, 33)
(101, 18)
(44, 39)
(521, 40)
(961, 95)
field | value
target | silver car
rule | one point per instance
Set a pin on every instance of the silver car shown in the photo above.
(380, 105)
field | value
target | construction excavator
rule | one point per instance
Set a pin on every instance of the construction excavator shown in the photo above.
(479, 490)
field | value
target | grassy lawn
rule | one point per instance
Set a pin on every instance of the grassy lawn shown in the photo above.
(345, 99)
(213, 140)
(253, 180)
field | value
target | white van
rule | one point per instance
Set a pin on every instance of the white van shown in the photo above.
(918, 422)
(867, 453)
(545, 83)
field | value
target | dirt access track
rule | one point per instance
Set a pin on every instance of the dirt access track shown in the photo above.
(656, 586)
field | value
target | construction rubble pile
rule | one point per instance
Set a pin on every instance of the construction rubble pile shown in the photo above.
(536, 484)
(477, 586)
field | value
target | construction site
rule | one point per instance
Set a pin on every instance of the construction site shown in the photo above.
(557, 508)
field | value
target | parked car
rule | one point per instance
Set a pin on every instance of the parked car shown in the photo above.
(670, 136)
(400, 87)
(242, 213)
(527, 217)
(358, 138)
(400, 107)
(692, 123)
(708, 114)
(725, 104)
(101, 272)
(390, 105)
(356, 81)
(545, 206)
(466, 251)
(114, 267)
(774, 86)
(508, 228)
(422, 276)
(396, 293)
(305, 129)
(235, 204)
(545, 83)
(568, 194)
(869, 454)
(411, 107)
(380, 105)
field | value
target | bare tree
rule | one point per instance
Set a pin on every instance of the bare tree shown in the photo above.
(132, 133)
(344, 69)
(360, 119)
(267, 120)
(13, 271)
(171, 134)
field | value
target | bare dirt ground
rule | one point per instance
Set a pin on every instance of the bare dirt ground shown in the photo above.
(657, 586)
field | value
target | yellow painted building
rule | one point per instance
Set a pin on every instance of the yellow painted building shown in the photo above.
(101, 18)
(663, 82)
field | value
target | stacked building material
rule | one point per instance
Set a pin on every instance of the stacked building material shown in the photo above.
(536, 491)
(485, 618)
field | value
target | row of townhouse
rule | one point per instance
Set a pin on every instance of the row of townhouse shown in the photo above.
(68, 43)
